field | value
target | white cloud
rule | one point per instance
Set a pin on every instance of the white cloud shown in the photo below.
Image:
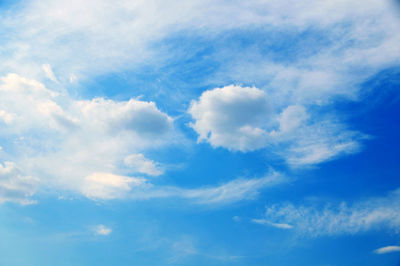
(102, 230)
(360, 33)
(241, 118)
(277, 225)
(319, 142)
(86, 137)
(138, 163)
(233, 191)
(369, 214)
(27, 103)
(15, 187)
(79, 145)
(292, 118)
(233, 117)
(6, 117)
(141, 117)
(388, 249)
(68, 142)
(360, 41)
(49, 72)
(108, 186)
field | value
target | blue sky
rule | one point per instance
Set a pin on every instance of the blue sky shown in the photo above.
(199, 132)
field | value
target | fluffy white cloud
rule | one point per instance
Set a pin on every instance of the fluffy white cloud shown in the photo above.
(388, 249)
(241, 118)
(370, 214)
(78, 144)
(141, 117)
(108, 186)
(139, 163)
(233, 117)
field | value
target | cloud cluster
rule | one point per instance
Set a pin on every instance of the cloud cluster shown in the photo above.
(245, 119)
(98, 143)
(90, 146)
(369, 214)
(77, 144)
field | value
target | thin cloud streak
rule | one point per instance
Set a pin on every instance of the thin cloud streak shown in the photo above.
(331, 219)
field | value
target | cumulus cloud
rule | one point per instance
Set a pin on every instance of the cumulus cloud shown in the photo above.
(143, 118)
(388, 249)
(241, 118)
(365, 215)
(79, 144)
(233, 117)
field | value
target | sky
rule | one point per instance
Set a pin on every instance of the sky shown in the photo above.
(200, 132)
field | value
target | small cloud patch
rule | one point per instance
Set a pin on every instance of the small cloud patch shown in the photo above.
(102, 230)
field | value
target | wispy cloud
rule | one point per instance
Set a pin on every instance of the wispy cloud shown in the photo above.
(49, 72)
(365, 215)
(234, 191)
(388, 249)
(277, 225)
